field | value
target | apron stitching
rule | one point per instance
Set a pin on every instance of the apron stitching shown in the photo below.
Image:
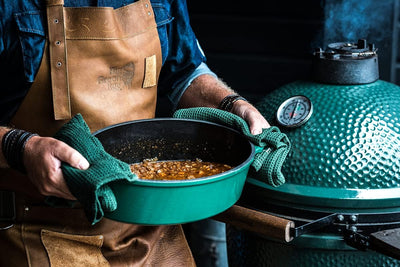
(28, 258)
(111, 38)
(109, 8)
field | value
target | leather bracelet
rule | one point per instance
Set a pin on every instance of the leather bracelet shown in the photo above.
(13, 146)
(228, 101)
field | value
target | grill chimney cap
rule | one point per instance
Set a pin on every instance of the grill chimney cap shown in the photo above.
(361, 48)
(346, 63)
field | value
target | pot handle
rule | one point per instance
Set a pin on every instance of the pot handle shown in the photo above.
(258, 222)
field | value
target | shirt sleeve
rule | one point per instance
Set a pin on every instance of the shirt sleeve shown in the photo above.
(183, 54)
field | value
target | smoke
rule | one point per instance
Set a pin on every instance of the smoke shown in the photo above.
(350, 20)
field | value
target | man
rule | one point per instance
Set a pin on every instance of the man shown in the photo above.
(109, 64)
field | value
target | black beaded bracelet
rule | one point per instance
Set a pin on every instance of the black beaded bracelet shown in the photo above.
(228, 101)
(13, 146)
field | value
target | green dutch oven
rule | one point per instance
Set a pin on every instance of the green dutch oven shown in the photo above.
(151, 202)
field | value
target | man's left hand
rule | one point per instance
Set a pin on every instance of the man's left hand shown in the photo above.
(251, 115)
(208, 91)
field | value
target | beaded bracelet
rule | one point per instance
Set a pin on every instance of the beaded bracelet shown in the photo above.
(13, 146)
(228, 101)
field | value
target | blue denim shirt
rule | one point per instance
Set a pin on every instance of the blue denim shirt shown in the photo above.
(23, 35)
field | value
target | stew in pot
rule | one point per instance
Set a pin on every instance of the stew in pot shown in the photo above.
(152, 169)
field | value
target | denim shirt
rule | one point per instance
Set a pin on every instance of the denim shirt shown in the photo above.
(23, 34)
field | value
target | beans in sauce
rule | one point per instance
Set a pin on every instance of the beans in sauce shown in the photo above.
(152, 169)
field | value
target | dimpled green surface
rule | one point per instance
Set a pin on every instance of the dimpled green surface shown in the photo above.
(247, 249)
(352, 139)
(346, 158)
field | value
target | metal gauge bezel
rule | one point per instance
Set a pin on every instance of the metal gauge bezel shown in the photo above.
(284, 103)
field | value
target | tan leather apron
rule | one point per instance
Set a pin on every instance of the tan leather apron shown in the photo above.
(103, 63)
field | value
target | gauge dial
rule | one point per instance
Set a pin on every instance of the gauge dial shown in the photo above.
(294, 111)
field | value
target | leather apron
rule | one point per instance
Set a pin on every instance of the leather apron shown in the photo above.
(103, 63)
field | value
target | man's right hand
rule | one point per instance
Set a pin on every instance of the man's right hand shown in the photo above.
(42, 159)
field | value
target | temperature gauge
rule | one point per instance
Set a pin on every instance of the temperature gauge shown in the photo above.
(294, 112)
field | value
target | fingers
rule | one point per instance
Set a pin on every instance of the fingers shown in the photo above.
(42, 160)
(257, 123)
(251, 115)
(52, 183)
(69, 155)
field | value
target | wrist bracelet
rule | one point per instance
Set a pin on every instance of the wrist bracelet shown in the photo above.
(13, 146)
(228, 101)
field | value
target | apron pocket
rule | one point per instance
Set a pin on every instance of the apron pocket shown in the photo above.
(73, 250)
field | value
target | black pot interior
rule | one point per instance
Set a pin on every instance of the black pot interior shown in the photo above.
(174, 139)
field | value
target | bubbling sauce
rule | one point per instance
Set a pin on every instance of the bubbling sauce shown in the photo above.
(152, 169)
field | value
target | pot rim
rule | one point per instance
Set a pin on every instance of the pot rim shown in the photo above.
(191, 182)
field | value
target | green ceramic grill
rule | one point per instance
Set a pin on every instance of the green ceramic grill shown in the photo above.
(342, 175)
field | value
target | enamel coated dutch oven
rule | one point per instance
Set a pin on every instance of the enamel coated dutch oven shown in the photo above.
(152, 202)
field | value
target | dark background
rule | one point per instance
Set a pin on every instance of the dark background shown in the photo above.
(257, 46)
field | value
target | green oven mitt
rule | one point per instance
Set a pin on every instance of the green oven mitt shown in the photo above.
(275, 145)
(90, 186)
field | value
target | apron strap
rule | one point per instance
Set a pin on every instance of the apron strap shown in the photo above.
(54, 2)
(58, 60)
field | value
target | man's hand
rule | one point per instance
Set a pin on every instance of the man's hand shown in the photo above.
(208, 91)
(42, 159)
(251, 115)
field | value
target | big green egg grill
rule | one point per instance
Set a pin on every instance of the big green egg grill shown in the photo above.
(342, 174)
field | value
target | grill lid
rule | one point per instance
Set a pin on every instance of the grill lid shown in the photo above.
(347, 154)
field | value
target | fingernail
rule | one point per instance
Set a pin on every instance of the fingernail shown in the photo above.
(83, 164)
(257, 131)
